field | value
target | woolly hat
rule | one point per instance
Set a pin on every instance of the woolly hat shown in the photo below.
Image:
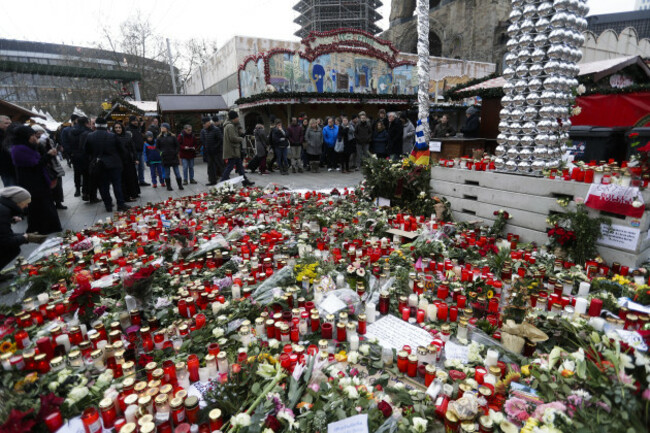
(132, 118)
(166, 125)
(100, 122)
(15, 194)
(148, 134)
(22, 134)
(205, 119)
(232, 115)
(472, 110)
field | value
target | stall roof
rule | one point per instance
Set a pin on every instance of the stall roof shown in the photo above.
(599, 69)
(191, 103)
(16, 112)
(146, 106)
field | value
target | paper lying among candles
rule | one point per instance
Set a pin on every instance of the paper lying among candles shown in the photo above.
(354, 424)
(332, 304)
(394, 333)
(456, 351)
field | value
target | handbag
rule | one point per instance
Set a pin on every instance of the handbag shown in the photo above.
(339, 146)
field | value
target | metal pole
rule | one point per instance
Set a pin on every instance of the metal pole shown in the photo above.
(171, 66)
(423, 64)
(136, 91)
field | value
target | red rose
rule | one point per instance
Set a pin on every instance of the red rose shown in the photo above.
(560, 231)
(273, 423)
(385, 408)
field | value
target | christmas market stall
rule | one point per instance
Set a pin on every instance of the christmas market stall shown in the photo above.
(17, 113)
(179, 110)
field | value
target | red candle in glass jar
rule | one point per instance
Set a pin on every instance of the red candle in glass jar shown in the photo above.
(420, 316)
(453, 313)
(406, 313)
(595, 307)
(90, 419)
(402, 361)
(479, 374)
(54, 421)
(461, 301)
(362, 324)
(315, 322)
(193, 367)
(326, 330)
(493, 306)
(443, 292)
(412, 369)
(341, 332)
(442, 312)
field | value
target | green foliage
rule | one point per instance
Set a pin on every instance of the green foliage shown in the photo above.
(587, 231)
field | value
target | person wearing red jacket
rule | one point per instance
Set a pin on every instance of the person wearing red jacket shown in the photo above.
(188, 146)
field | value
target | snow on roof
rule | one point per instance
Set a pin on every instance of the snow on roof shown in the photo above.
(146, 106)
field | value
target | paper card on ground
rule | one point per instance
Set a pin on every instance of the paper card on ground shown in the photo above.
(405, 234)
(622, 237)
(456, 351)
(394, 333)
(332, 304)
(354, 424)
(383, 202)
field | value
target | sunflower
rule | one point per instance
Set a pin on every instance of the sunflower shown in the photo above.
(7, 347)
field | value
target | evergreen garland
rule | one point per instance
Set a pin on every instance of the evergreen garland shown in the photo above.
(330, 95)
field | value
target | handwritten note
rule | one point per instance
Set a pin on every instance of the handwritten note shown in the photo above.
(332, 304)
(456, 351)
(435, 146)
(394, 333)
(622, 237)
(354, 424)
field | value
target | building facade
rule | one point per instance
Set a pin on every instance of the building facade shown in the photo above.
(328, 15)
(57, 78)
(638, 20)
(642, 5)
(460, 29)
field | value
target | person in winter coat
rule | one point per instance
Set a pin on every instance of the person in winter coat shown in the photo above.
(380, 141)
(169, 148)
(395, 136)
(130, 187)
(381, 117)
(153, 159)
(443, 128)
(296, 137)
(14, 200)
(408, 135)
(154, 127)
(473, 123)
(346, 133)
(280, 141)
(79, 163)
(105, 151)
(232, 144)
(261, 143)
(363, 134)
(188, 146)
(54, 169)
(31, 174)
(7, 169)
(138, 141)
(212, 140)
(330, 135)
(314, 145)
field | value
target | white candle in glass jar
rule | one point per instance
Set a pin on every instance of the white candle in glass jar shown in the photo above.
(64, 340)
(491, 358)
(413, 300)
(583, 289)
(581, 306)
(204, 374)
(598, 323)
(354, 342)
(432, 312)
(371, 312)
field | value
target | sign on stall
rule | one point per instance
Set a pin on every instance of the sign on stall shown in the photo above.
(621, 237)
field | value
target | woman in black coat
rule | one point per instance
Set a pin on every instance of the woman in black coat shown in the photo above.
(31, 173)
(169, 148)
(130, 185)
(13, 202)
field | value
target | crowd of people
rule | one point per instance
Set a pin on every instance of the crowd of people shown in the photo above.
(118, 157)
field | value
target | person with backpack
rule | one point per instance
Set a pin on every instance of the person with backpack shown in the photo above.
(188, 145)
(153, 159)
(169, 148)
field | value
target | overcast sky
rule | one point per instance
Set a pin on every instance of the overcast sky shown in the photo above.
(79, 23)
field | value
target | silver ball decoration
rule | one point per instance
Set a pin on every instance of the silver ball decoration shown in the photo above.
(500, 150)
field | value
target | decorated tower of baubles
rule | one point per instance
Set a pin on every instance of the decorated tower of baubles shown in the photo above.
(541, 70)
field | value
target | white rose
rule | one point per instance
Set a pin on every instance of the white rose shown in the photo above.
(52, 386)
(351, 392)
(241, 420)
(420, 424)
(497, 417)
(581, 89)
(353, 357)
(218, 332)
(575, 111)
(273, 343)
(568, 365)
(76, 394)
(364, 349)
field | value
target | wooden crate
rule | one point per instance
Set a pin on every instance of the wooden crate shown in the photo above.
(476, 195)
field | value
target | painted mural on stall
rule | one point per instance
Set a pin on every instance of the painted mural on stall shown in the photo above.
(331, 72)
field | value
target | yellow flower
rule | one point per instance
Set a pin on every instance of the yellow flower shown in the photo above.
(7, 347)
(341, 356)
(525, 370)
(304, 404)
(567, 373)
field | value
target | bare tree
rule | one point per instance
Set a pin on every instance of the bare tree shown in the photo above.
(192, 54)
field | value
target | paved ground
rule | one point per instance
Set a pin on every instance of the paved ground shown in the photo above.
(80, 214)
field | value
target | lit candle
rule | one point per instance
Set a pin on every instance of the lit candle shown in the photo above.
(583, 289)
(581, 306)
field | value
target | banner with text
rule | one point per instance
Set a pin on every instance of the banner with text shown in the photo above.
(621, 200)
